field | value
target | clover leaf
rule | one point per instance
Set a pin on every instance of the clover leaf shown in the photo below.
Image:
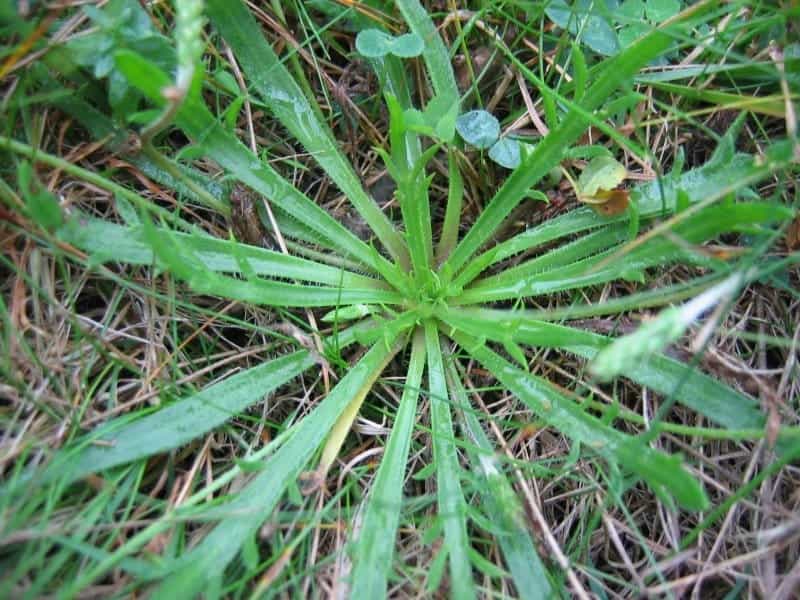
(374, 43)
(479, 128)
(506, 153)
(661, 10)
(482, 130)
(582, 18)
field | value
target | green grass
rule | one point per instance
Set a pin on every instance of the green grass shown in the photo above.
(423, 397)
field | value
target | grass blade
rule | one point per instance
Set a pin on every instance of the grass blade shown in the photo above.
(524, 280)
(275, 85)
(451, 504)
(123, 441)
(223, 147)
(713, 399)
(241, 517)
(721, 176)
(502, 506)
(549, 151)
(452, 215)
(436, 56)
(372, 555)
(183, 262)
(106, 242)
(663, 473)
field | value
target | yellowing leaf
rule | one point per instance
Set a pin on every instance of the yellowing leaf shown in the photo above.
(602, 173)
(597, 186)
(614, 202)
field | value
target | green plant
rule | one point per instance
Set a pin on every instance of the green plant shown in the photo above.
(422, 298)
(482, 130)
(606, 26)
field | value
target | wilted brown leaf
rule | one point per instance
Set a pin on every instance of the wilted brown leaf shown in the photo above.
(610, 203)
(793, 234)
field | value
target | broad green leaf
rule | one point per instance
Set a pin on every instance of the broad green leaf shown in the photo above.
(506, 153)
(374, 543)
(407, 45)
(373, 43)
(663, 473)
(241, 516)
(450, 498)
(630, 33)
(479, 128)
(631, 9)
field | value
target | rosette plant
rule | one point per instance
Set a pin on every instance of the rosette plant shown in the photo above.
(429, 296)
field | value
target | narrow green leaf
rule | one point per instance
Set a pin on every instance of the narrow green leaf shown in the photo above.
(40, 203)
(220, 144)
(107, 242)
(625, 353)
(450, 498)
(122, 441)
(374, 546)
(272, 81)
(242, 516)
(663, 473)
(452, 215)
(715, 179)
(501, 503)
(437, 58)
(713, 399)
(184, 263)
(549, 151)
(601, 268)
(580, 74)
